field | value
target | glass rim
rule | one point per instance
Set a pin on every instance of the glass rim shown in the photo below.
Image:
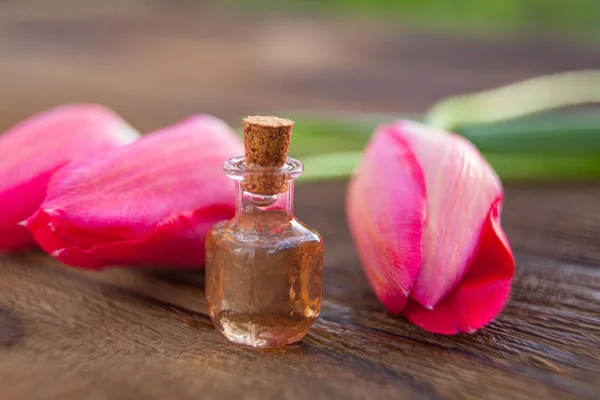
(237, 169)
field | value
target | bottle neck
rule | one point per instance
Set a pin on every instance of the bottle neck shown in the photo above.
(263, 213)
(248, 203)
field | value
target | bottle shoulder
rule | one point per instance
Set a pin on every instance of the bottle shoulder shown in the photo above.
(293, 232)
(305, 230)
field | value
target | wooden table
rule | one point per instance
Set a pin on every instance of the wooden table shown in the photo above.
(69, 334)
(128, 334)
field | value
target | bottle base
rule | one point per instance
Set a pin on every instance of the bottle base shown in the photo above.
(265, 331)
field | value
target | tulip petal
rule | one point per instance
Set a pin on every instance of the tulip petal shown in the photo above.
(482, 293)
(461, 186)
(146, 204)
(386, 210)
(33, 150)
(175, 241)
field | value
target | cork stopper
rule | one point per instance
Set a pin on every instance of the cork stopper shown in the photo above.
(266, 142)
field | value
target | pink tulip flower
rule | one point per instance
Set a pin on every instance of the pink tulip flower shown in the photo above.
(147, 204)
(424, 212)
(33, 150)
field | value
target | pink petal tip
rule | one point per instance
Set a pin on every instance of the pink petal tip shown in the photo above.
(33, 150)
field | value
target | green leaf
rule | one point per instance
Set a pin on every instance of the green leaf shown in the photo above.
(314, 137)
(510, 167)
(329, 166)
(564, 134)
(550, 146)
(525, 167)
(315, 134)
(517, 99)
(572, 133)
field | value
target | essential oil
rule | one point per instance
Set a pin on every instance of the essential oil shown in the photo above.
(264, 267)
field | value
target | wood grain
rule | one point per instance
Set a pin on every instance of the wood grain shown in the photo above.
(138, 334)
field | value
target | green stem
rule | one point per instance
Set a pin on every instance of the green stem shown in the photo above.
(510, 167)
(329, 166)
(517, 99)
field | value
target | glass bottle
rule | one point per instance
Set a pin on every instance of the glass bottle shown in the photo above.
(263, 267)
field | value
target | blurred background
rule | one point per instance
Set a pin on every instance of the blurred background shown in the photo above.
(156, 61)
